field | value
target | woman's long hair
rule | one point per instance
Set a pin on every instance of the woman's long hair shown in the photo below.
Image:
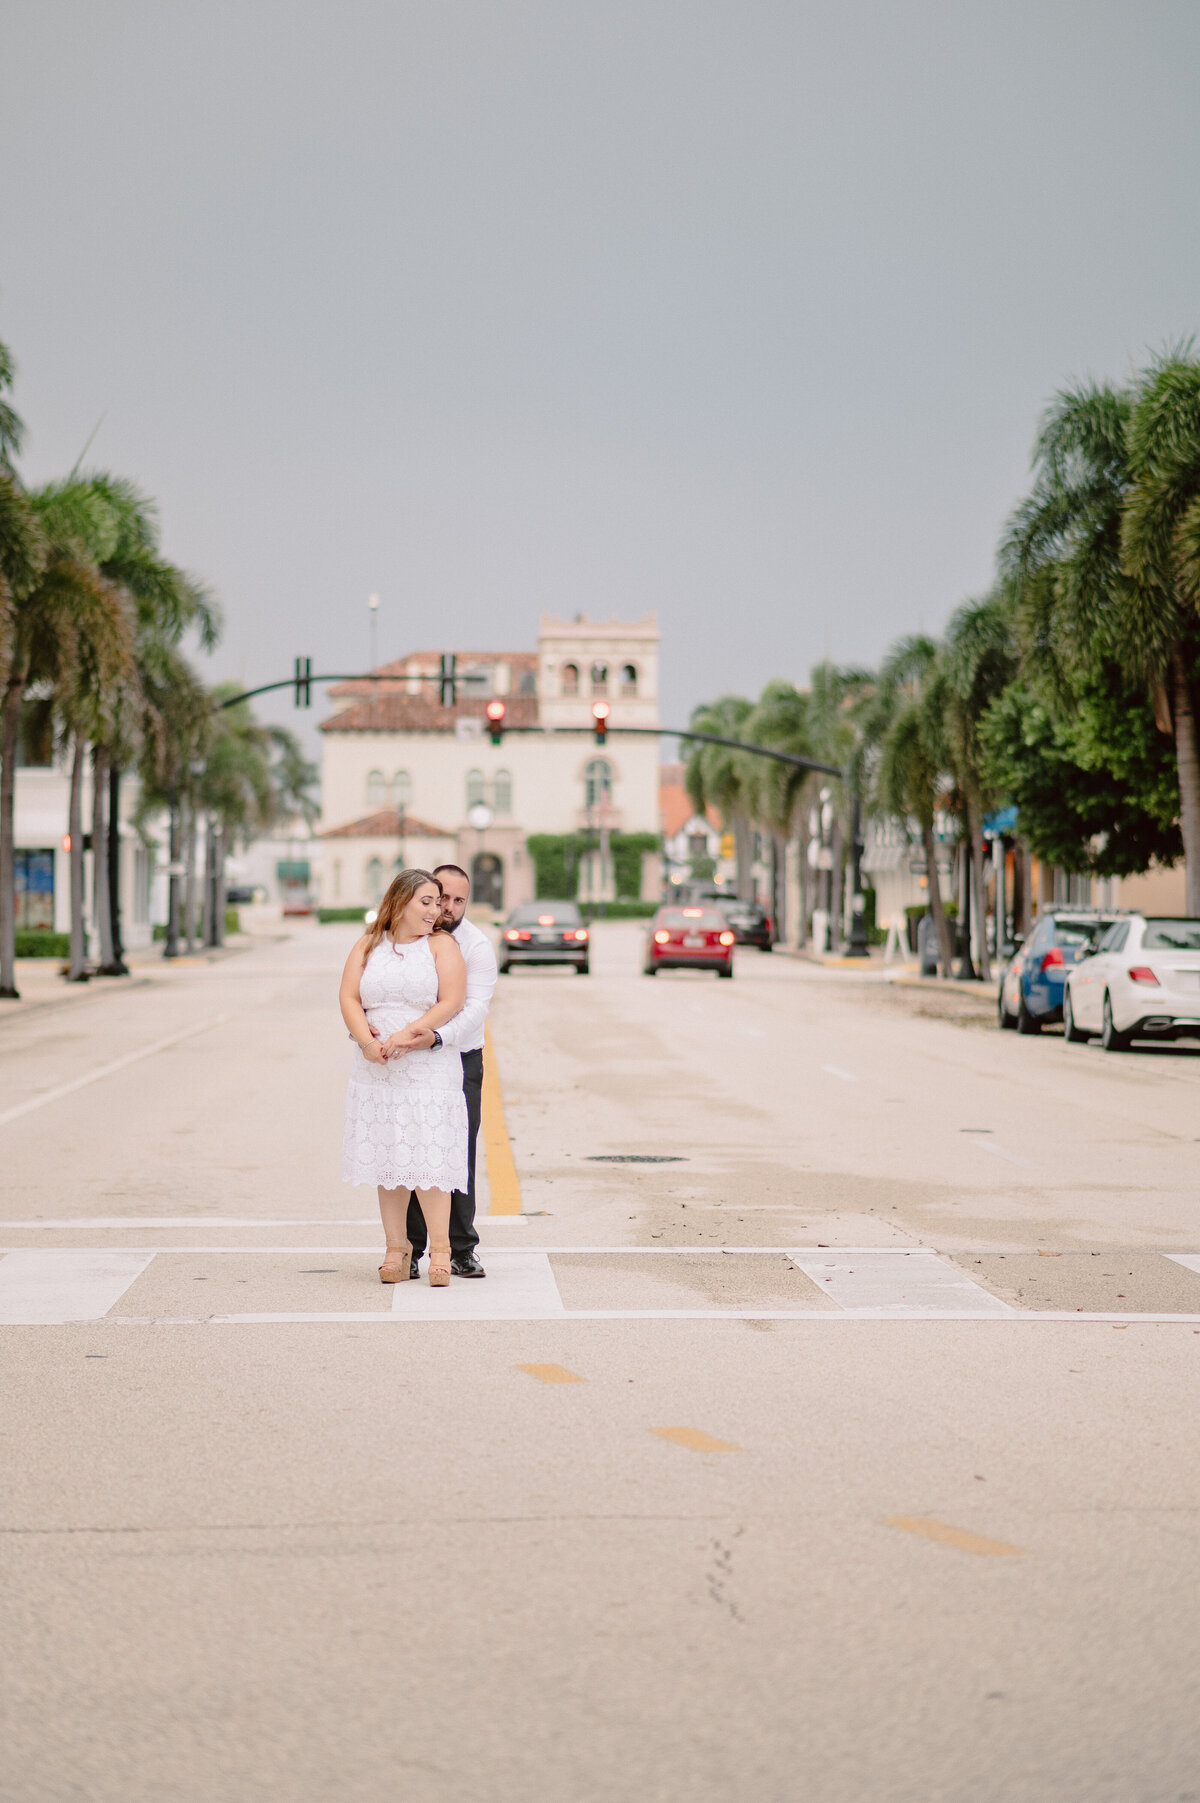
(400, 892)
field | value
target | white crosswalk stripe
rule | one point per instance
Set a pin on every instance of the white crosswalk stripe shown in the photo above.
(39, 1289)
(896, 1282)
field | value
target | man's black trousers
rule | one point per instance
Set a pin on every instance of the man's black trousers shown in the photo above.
(463, 1237)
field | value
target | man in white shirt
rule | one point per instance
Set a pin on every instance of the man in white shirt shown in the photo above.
(465, 1034)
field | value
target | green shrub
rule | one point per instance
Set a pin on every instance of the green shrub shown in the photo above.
(557, 857)
(233, 921)
(619, 910)
(38, 942)
(329, 916)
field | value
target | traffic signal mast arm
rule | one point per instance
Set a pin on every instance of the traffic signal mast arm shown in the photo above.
(302, 680)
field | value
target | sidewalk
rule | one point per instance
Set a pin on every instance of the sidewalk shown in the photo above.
(906, 975)
(42, 985)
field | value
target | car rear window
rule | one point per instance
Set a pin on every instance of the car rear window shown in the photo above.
(561, 914)
(1079, 932)
(691, 918)
(1171, 936)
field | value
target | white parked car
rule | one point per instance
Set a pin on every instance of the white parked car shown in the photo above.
(1141, 982)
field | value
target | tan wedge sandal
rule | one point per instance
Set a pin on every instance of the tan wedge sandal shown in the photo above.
(439, 1267)
(390, 1271)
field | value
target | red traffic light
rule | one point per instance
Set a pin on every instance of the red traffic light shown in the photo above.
(600, 713)
(496, 711)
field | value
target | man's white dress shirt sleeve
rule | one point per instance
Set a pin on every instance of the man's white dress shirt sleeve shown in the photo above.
(465, 1031)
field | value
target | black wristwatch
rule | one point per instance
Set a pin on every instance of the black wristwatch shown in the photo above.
(437, 1040)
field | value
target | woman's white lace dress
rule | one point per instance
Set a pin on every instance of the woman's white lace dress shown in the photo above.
(406, 1120)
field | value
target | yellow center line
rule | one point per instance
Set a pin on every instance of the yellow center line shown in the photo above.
(693, 1439)
(946, 1535)
(503, 1181)
(552, 1374)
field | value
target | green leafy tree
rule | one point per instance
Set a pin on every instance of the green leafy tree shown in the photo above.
(1105, 554)
(722, 777)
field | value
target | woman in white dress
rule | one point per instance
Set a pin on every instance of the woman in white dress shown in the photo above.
(406, 1115)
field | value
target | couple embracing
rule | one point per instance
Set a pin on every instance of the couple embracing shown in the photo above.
(415, 993)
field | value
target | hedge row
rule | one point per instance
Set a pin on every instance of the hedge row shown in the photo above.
(558, 856)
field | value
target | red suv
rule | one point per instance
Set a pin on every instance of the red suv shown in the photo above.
(689, 939)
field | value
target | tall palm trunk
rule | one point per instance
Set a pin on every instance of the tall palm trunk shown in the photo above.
(101, 888)
(941, 924)
(1187, 755)
(77, 968)
(118, 968)
(978, 860)
(10, 723)
(189, 880)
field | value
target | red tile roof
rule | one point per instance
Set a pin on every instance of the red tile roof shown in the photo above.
(384, 707)
(675, 804)
(386, 825)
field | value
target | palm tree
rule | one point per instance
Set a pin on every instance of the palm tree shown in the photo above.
(87, 659)
(723, 777)
(979, 661)
(779, 720)
(905, 729)
(22, 559)
(1105, 552)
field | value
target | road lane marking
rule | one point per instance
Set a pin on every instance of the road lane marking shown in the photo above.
(131, 1223)
(519, 1285)
(915, 1283)
(388, 1318)
(49, 1289)
(503, 1182)
(945, 1535)
(107, 1070)
(836, 1071)
(552, 1374)
(1189, 1260)
(693, 1439)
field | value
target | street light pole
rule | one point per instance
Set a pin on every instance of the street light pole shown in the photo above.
(171, 943)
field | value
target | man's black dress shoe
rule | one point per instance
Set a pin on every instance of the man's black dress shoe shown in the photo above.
(465, 1264)
(415, 1268)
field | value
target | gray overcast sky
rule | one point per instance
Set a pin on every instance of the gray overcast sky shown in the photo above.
(738, 310)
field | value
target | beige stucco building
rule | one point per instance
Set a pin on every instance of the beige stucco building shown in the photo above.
(404, 777)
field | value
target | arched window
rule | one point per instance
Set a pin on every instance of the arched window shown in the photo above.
(502, 791)
(570, 679)
(474, 787)
(375, 882)
(376, 790)
(597, 782)
(629, 679)
(599, 679)
(401, 791)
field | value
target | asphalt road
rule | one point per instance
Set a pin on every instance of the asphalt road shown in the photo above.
(844, 1453)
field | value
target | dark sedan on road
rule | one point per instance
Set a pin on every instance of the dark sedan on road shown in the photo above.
(749, 920)
(1032, 986)
(544, 932)
(689, 939)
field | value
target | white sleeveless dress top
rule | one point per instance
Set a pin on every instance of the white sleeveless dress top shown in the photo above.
(406, 1120)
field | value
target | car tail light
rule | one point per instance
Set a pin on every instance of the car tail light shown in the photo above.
(1053, 959)
(693, 913)
(545, 920)
(662, 937)
(515, 933)
(581, 933)
(726, 938)
(1142, 973)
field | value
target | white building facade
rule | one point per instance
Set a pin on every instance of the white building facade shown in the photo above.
(406, 780)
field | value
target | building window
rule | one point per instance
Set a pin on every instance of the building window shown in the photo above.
(599, 679)
(502, 791)
(401, 791)
(474, 788)
(570, 679)
(528, 683)
(376, 790)
(597, 783)
(629, 680)
(375, 882)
